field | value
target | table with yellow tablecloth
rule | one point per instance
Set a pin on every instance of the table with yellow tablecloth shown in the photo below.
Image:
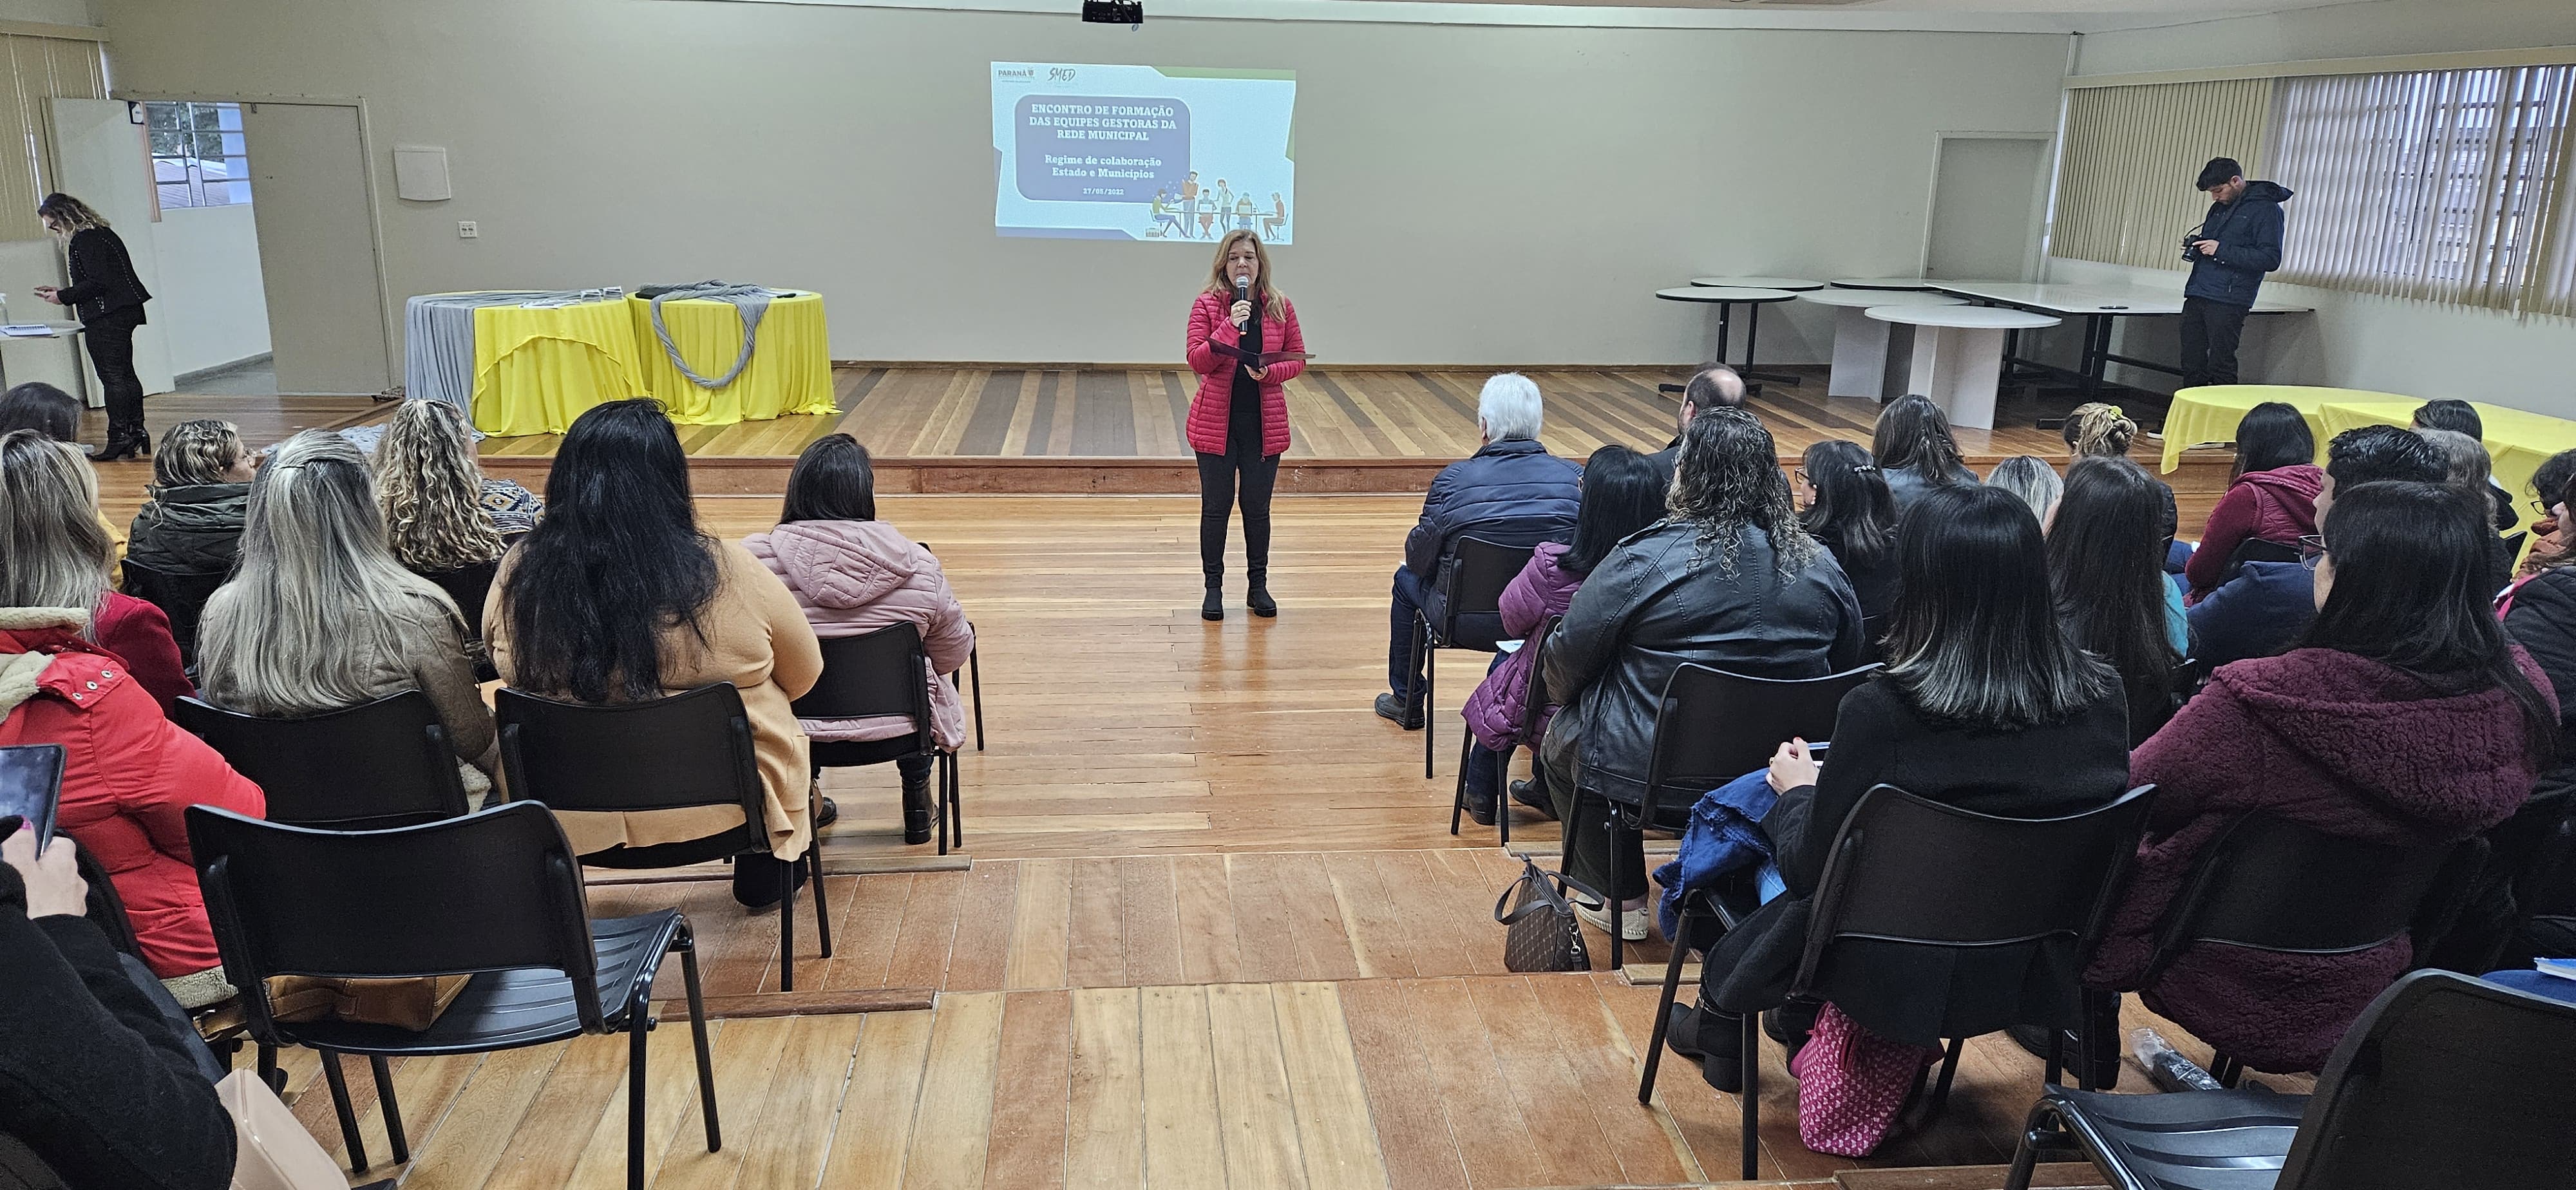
(2517, 439)
(2209, 413)
(536, 368)
(790, 369)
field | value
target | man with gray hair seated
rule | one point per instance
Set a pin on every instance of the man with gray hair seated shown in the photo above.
(1512, 492)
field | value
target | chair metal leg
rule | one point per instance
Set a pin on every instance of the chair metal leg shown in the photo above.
(2056, 1058)
(2043, 1131)
(638, 1024)
(975, 673)
(2228, 1071)
(1458, 800)
(339, 1082)
(1941, 1088)
(1752, 1096)
(1503, 794)
(1664, 1012)
(687, 945)
(1430, 698)
(268, 1071)
(822, 915)
(393, 1111)
(939, 804)
(786, 920)
(956, 803)
(1618, 930)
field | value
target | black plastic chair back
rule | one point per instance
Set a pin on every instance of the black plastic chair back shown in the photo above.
(2257, 549)
(1911, 870)
(884, 672)
(468, 586)
(492, 891)
(181, 597)
(1714, 726)
(2272, 884)
(2513, 542)
(690, 749)
(378, 764)
(1477, 574)
(2444, 1081)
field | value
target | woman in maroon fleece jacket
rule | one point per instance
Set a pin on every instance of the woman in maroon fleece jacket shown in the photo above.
(2273, 496)
(2405, 718)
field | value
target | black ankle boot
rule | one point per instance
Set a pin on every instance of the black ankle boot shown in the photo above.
(1258, 598)
(118, 449)
(1713, 1039)
(916, 811)
(1213, 607)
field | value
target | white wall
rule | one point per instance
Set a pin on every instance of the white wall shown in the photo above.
(51, 12)
(2420, 349)
(209, 304)
(2341, 31)
(1468, 194)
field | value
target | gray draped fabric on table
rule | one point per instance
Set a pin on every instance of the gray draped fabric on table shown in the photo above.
(438, 328)
(751, 301)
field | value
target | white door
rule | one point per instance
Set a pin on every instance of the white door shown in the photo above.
(103, 158)
(317, 247)
(1985, 208)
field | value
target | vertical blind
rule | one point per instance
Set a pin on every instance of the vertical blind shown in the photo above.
(2453, 186)
(2436, 185)
(2131, 153)
(40, 68)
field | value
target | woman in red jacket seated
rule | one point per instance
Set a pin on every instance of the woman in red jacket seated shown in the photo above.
(2272, 497)
(54, 552)
(1239, 421)
(129, 775)
(2404, 718)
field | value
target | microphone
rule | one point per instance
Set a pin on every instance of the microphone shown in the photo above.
(1243, 289)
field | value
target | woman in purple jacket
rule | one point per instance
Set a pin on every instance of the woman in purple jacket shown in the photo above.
(1623, 491)
(2405, 717)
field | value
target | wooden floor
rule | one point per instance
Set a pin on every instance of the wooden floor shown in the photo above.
(952, 412)
(1209, 928)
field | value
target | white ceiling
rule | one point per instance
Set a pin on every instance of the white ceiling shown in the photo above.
(2074, 14)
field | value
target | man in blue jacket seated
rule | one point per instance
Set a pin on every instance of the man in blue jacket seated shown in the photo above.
(1511, 492)
(2238, 243)
(2259, 613)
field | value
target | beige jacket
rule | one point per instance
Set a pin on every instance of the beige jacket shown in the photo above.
(757, 639)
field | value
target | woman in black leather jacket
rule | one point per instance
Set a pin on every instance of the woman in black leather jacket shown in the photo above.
(1729, 580)
(109, 297)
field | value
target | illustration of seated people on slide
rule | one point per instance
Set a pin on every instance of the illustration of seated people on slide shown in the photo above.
(1086, 151)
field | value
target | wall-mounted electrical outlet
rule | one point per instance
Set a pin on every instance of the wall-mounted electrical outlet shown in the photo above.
(466, 229)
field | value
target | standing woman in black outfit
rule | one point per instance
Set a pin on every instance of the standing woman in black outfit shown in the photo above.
(109, 297)
(1238, 425)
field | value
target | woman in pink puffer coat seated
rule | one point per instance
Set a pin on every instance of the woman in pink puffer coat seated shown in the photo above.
(853, 574)
(1623, 491)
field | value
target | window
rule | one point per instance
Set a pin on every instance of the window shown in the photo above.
(198, 158)
(2433, 185)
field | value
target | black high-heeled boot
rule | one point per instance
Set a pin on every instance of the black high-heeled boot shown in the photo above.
(1258, 596)
(1213, 607)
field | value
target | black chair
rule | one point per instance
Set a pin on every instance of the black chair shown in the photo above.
(496, 896)
(375, 765)
(468, 586)
(180, 595)
(1533, 701)
(1471, 584)
(690, 749)
(2271, 884)
(2514, 541)
(974, 674)
(883, 673)
(2444, 1081)
(1912, 871)
(1712, 727)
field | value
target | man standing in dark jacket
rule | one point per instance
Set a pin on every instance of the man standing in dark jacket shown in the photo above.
(1511, 492)
(2238, 243)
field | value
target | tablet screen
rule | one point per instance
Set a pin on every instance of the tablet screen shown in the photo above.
(31, 782)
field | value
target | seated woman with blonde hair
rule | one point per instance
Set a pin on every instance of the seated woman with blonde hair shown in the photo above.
(319, 616)
(441, 513)
(55, 553)
(191, 521)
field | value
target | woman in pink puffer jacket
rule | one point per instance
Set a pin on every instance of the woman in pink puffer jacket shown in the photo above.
(853, 574)
(1623, 491)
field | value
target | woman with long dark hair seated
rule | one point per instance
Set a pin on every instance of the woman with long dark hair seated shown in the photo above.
(1846, 505)
(1915, 450)
(1623, 491)
(1986, 704)
(2404, 717)
(1729, 580)
(2107, 562)
(617, 596)
(2271, 495)
(854, 574)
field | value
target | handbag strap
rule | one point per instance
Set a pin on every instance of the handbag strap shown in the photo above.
(1549, 889)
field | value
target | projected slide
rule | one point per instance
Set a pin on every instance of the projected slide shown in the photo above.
(1143, 152)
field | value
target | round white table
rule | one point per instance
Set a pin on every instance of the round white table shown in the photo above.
(1961, 362)
(1796, 284)
(1870, 356)
(1726, 298)
(1888, 283)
